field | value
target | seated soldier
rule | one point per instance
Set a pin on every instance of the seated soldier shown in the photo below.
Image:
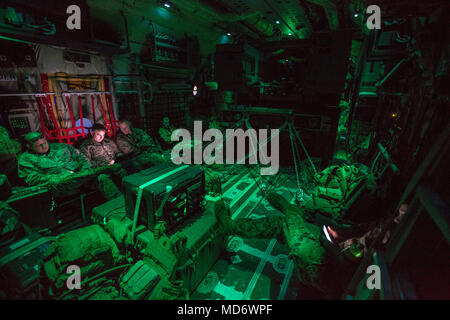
(100, 151)
(61, 167)
(341, 192)
(9, 150)
(213, 124)
(165, 133)
(138, 144)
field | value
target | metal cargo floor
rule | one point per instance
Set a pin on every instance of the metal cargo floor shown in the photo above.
(251, 268)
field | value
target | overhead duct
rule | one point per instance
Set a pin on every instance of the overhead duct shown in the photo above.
(252, 21)
(330, 11)
(206, 10)
(257, 24)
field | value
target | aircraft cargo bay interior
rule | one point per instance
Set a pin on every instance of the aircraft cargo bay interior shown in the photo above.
(224, 150)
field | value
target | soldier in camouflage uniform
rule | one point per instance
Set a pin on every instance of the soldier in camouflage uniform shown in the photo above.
(61, 167)
(100, 151)
(9, 149)
(316, 266)
(137, 143)
(165, 132)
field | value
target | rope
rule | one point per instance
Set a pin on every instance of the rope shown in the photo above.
(304, 149)
(375, 162)
(297, 153)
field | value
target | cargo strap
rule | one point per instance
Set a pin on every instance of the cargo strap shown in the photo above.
(140, 191)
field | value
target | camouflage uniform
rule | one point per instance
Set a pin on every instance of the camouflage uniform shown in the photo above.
(56, 168)
(139, 143)
(313, 265)
(100, 153)
(166, 134)
(213, 124)
(8, 150)
(9, 220)
(337, 189)
(136, 142)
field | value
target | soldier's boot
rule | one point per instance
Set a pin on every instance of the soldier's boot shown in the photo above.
(107, 186)
(280, 203)
(267, 227)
